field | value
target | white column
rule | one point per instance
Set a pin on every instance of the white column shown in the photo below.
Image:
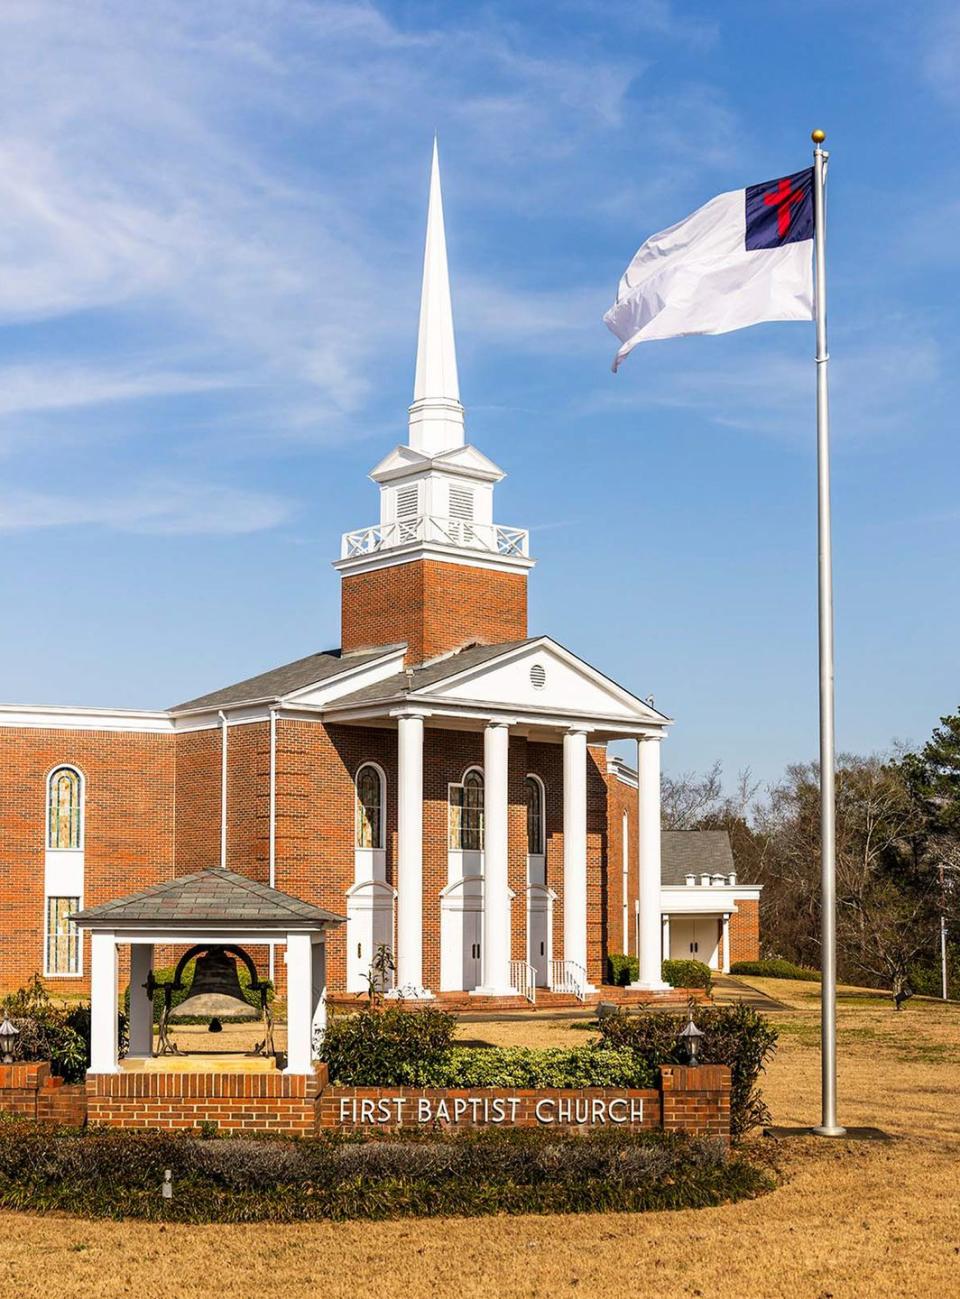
(299, 959)
(575, 850)
(318, 988)
(409, 954)
(648, 835)
(103, 1003)
(141, 1006)
(496, 894)
(666, 937)
(725, 962)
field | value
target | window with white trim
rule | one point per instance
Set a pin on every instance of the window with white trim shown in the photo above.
(535, 817)
(62, 955)
(466, 813)
(64, 808)
(370, 807)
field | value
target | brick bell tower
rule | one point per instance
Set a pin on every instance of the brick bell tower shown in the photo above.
(436, 572)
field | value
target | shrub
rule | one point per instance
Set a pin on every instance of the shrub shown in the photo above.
(389, 1046)
(49, 1032)
(687, 974)
(520, 1066)
(165, 975)
(622, 970)
(733, 1035)
(775, 967)
(119, 1174)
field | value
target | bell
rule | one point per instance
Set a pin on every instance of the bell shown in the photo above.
(215, 991)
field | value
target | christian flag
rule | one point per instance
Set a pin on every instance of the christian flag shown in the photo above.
(743, 257)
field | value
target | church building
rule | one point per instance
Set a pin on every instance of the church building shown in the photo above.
(441, 778)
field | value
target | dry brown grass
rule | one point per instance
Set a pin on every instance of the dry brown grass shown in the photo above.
(852, 1220)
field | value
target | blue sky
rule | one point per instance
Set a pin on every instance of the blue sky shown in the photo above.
(211, 225)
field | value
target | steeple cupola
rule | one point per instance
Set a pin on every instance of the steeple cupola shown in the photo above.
(436, 572)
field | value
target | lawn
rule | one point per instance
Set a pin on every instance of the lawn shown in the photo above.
(852, 1220)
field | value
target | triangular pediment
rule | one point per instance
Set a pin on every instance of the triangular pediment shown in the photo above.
(466, 460)
(541, 675)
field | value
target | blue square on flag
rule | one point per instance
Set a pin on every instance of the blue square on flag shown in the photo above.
(780, 211)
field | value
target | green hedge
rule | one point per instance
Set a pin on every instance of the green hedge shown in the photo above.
(165, 975)
(521, 1066)
(389, 1046)
(50, 1032)
(623, 970)
(733, 1035)
(775, 968)
(104, 1174)
(687, 974)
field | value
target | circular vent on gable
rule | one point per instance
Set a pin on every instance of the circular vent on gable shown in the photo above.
(538, 676)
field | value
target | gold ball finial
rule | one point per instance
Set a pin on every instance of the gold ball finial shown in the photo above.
(818, 136)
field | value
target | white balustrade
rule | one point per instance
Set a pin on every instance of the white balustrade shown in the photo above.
(523, 977)
(494, 538)
(569, 977)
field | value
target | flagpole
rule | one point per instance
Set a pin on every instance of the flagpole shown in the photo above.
(828, 1126)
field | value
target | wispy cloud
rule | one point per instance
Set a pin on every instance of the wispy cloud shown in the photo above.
(159, 508)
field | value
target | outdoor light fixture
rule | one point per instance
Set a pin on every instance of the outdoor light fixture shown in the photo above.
(690, 1037)
(8, 1032)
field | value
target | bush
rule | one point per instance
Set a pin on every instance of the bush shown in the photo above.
(521, 1066)
(622, 970)
(49, 1032)
(733, 1035)
(165, 975)
(119, 1174)
(687, 974)
(389, 1047)
(775, 967)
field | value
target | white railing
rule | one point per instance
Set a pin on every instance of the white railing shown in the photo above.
(569, 977)
(523, 977)
(493, 538)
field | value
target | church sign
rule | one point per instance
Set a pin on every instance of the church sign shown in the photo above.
(372, 1108)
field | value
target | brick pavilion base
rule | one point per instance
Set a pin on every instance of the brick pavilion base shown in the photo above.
(694, 1100)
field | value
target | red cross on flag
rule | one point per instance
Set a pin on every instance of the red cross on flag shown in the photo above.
(742, 258)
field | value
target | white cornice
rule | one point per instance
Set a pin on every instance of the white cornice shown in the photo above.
(440, 554)
(55, 717)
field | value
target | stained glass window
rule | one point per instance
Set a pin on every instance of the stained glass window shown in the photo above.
(534, 817)
(65, 816)
(466, 813)
(369, 808)
(63, 937)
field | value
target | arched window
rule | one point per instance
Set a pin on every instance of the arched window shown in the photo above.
(370, 819)
(535, 817)
(64, 808)
(466, 813)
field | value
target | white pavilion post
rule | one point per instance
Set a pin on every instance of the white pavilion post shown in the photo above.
(300, 1008)
(725, 949)
(104, 1010)
(666, 936)
(575, 851)
(650, 978)
(141, 1006)
(496, 896)
(318, 986)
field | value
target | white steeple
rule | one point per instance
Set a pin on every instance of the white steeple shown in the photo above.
(436, 416)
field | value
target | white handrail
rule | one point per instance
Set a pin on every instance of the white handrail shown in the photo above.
(495, 538)
(569, 977)
(523, 977)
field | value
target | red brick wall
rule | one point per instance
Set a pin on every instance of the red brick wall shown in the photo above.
(197, 838)
(376, 1109)
(432, 606)
(621, 799)
(696, 1100)
(248, 800)
(129, 800)
(745, 931)
(30, 1091)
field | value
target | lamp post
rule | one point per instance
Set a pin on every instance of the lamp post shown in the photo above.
(8, 1035)
(690, 1037)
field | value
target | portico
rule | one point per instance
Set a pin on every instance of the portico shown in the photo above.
(537, 695)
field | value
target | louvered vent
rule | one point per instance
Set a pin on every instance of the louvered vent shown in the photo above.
(461, 504)
(408, 506)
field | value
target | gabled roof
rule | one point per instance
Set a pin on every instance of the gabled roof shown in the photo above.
(419, 678)
(694, 852)
(289, 677)
(215, 896)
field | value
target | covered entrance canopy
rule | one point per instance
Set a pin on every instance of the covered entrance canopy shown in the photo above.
(214, 907)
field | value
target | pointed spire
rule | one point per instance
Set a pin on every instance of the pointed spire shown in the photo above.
(436, 416)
